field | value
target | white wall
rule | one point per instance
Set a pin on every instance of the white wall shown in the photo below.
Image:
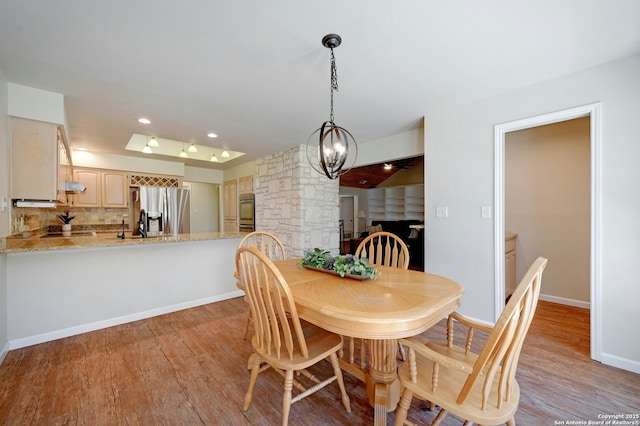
(204, 207)
(112, 285)
(203, 175)
(36, 104)
(401, 145)
(130, 164)
(241, 170)
(547, 203)
(459, 173)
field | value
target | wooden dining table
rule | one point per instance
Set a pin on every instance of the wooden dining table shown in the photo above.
(399, 303)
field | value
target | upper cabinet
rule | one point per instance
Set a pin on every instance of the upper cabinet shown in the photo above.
(245, 185)
(38, 157)
(115, 189)
(105, 188)
(230, 200)
(231, 206)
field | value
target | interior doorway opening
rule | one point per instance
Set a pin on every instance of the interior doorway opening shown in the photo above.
(593, 112)
(349, 226)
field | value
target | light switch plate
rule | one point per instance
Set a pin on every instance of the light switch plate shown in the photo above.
(485, 212)
(442, 211)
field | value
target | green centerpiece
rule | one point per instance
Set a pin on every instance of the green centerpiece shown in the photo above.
(344, 265)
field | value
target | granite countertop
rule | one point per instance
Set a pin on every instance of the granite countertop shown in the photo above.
(33, 242)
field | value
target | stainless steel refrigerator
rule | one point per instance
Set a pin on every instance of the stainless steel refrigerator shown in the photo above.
(161, 211)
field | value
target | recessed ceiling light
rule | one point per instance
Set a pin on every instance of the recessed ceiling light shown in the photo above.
(212, 135)
(144, 121)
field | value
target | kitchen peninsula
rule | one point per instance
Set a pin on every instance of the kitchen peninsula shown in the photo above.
(59, 287)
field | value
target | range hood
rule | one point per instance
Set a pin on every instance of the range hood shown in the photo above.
(35, 204)
(69, 187)
(74, 187)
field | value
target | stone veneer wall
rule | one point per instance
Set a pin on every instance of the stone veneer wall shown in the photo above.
(296, 203)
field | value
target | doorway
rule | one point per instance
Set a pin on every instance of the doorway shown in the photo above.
(593, 113)
(348, 226)
(204, 212)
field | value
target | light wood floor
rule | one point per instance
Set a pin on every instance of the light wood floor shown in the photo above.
(189, 368)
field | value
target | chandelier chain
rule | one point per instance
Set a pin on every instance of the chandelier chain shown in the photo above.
(334, 81)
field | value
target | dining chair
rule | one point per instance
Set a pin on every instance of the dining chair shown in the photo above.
(386, 249)
(270, 245)
(282, 341)
(266, 242)
(480, 388)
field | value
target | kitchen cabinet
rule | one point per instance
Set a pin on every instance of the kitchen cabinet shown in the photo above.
(105, 188)
(245, 185)
(65, 174)
(38, 153)
(510, 263)
(230, 226)
(115, 189)
(231, 206)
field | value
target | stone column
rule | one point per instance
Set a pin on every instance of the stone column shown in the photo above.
(296, 203)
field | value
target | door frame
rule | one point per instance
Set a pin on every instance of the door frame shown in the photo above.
(356, 224)
(594, 112)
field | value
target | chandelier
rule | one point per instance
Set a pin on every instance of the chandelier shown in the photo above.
(332, 151)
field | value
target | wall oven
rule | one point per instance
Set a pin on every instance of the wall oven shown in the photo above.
(246, 214)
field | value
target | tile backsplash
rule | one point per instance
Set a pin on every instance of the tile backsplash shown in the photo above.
(31, 219)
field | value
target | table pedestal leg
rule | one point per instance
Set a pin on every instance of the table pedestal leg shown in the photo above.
(383, 386)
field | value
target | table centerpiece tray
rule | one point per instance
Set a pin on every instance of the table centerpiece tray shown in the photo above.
(328, 271)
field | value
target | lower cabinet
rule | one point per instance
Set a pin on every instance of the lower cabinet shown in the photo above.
(230, 226)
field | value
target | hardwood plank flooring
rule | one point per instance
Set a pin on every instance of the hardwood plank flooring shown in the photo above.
(189, 368)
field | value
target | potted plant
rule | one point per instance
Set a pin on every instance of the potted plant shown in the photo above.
(344, 265)
(66, 221)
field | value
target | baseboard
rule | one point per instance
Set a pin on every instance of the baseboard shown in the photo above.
(85, 328)
(4, 352)
(564, 301)
(619, 362)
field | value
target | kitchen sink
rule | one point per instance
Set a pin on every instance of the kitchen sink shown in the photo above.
(67, 235)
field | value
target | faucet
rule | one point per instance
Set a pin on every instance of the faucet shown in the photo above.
(141, 225)
(121, 236)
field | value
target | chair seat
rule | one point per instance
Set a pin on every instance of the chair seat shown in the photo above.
(320, 344)
(449, 384)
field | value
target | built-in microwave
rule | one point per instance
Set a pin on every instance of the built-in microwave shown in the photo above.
(246, 213)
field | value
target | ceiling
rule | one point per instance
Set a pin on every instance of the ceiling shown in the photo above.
(372, 175)
(256, 74)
